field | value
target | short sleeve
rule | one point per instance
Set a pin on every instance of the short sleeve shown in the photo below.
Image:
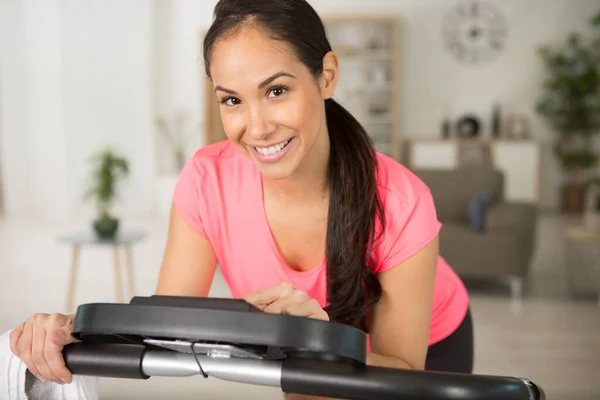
(408, 230)
(187, 195)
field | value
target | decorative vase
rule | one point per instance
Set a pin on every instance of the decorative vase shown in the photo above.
(106, 227)
(496, 121)
(446, 128)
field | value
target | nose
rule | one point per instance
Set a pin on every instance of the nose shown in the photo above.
(259, 124)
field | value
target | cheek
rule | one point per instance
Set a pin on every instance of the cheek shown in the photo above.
(233, 124)
(301, 115)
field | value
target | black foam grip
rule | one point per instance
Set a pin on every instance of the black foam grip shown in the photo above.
(355, 382)
(105, 360)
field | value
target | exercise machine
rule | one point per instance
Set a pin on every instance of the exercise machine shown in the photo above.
(230, 339)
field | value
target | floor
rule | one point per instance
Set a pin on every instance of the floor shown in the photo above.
(547, 337)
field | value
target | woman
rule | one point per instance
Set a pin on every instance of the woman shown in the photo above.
(301, 214)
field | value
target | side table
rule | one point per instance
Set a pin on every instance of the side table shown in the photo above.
(123, 239)
(576, 238)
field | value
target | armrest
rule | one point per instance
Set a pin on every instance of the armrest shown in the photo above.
(511, 217)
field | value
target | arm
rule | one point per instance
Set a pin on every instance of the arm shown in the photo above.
(401, 319)
(189, 262)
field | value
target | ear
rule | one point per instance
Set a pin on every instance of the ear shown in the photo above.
(329, 77)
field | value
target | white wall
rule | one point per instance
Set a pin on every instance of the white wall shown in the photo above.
(76, 75)
(432, 81)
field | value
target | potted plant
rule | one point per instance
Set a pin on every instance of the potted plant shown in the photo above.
(591, 217)
(108, 169)
(570, 103)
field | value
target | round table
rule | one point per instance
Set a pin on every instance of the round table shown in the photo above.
(576, 238)
(124, 239)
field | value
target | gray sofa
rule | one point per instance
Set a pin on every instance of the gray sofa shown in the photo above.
(504, 248)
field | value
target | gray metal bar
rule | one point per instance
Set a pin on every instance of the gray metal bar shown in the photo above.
(251, 371)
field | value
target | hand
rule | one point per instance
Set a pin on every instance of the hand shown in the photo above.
(285, 299)
(39, 341)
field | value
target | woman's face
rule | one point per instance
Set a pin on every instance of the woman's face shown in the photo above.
(271, 106)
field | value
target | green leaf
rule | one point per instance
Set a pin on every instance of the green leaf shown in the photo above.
(108, 168)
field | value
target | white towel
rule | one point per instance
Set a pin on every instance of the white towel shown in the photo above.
(16, 383)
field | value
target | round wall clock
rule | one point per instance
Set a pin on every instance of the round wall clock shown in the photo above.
(474, 31)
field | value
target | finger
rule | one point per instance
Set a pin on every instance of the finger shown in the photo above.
(266, 296)
(15, 335)
(310, 309)
(24, 348)
(56, 339)
(281, 305)
(270, 294)
(37, 352)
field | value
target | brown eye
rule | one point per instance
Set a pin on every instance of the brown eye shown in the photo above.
(277, 91)
(230, 101)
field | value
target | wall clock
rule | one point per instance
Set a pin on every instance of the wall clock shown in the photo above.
(474, 31)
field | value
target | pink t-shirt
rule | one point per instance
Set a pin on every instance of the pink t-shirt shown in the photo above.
(219, 194)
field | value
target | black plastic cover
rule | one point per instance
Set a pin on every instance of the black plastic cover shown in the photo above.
(105, 360)
(359, 382)
(214, 320)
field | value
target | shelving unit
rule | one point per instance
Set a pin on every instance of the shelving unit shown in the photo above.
(368, 52)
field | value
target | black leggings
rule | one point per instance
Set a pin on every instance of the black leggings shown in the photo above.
(454, 353)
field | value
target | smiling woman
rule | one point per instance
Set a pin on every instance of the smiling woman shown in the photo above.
(302, 215)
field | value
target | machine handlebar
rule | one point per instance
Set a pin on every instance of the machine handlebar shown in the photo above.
(296, 375)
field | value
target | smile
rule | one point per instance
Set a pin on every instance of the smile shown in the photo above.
(272, 149)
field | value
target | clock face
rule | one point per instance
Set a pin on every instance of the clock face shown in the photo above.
(474, 31)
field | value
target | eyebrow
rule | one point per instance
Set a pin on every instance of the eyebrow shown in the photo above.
(260, 85)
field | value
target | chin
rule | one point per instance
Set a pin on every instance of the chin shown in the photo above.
(276, 171)
(275, 174)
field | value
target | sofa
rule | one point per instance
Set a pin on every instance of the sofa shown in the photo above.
(484, 236)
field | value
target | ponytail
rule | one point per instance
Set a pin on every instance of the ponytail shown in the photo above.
(354, 205)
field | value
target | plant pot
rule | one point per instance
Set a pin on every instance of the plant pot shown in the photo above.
(106, 228)
(573, 198)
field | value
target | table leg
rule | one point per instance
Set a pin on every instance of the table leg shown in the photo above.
(129, 261)
(73, 279)
(118, 281)
(570, 261)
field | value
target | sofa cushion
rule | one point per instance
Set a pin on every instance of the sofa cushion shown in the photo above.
(452, 190)
(477, 210)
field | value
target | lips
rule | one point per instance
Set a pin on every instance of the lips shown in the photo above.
(272, 149)
(272, 153)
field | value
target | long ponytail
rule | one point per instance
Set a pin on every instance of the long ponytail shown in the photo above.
(353, 208)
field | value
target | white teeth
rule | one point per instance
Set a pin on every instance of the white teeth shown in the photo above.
(273, 149)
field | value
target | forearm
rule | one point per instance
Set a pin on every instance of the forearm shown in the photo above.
(378, 360)
(374, 360)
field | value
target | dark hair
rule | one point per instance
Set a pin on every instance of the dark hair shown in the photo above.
(354, 203)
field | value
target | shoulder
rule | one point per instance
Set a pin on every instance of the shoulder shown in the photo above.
(409, 215)
(215, 157)
(399, 187)
(211, 169)
(216, 163)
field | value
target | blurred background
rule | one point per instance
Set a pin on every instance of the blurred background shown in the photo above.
(495, 104)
